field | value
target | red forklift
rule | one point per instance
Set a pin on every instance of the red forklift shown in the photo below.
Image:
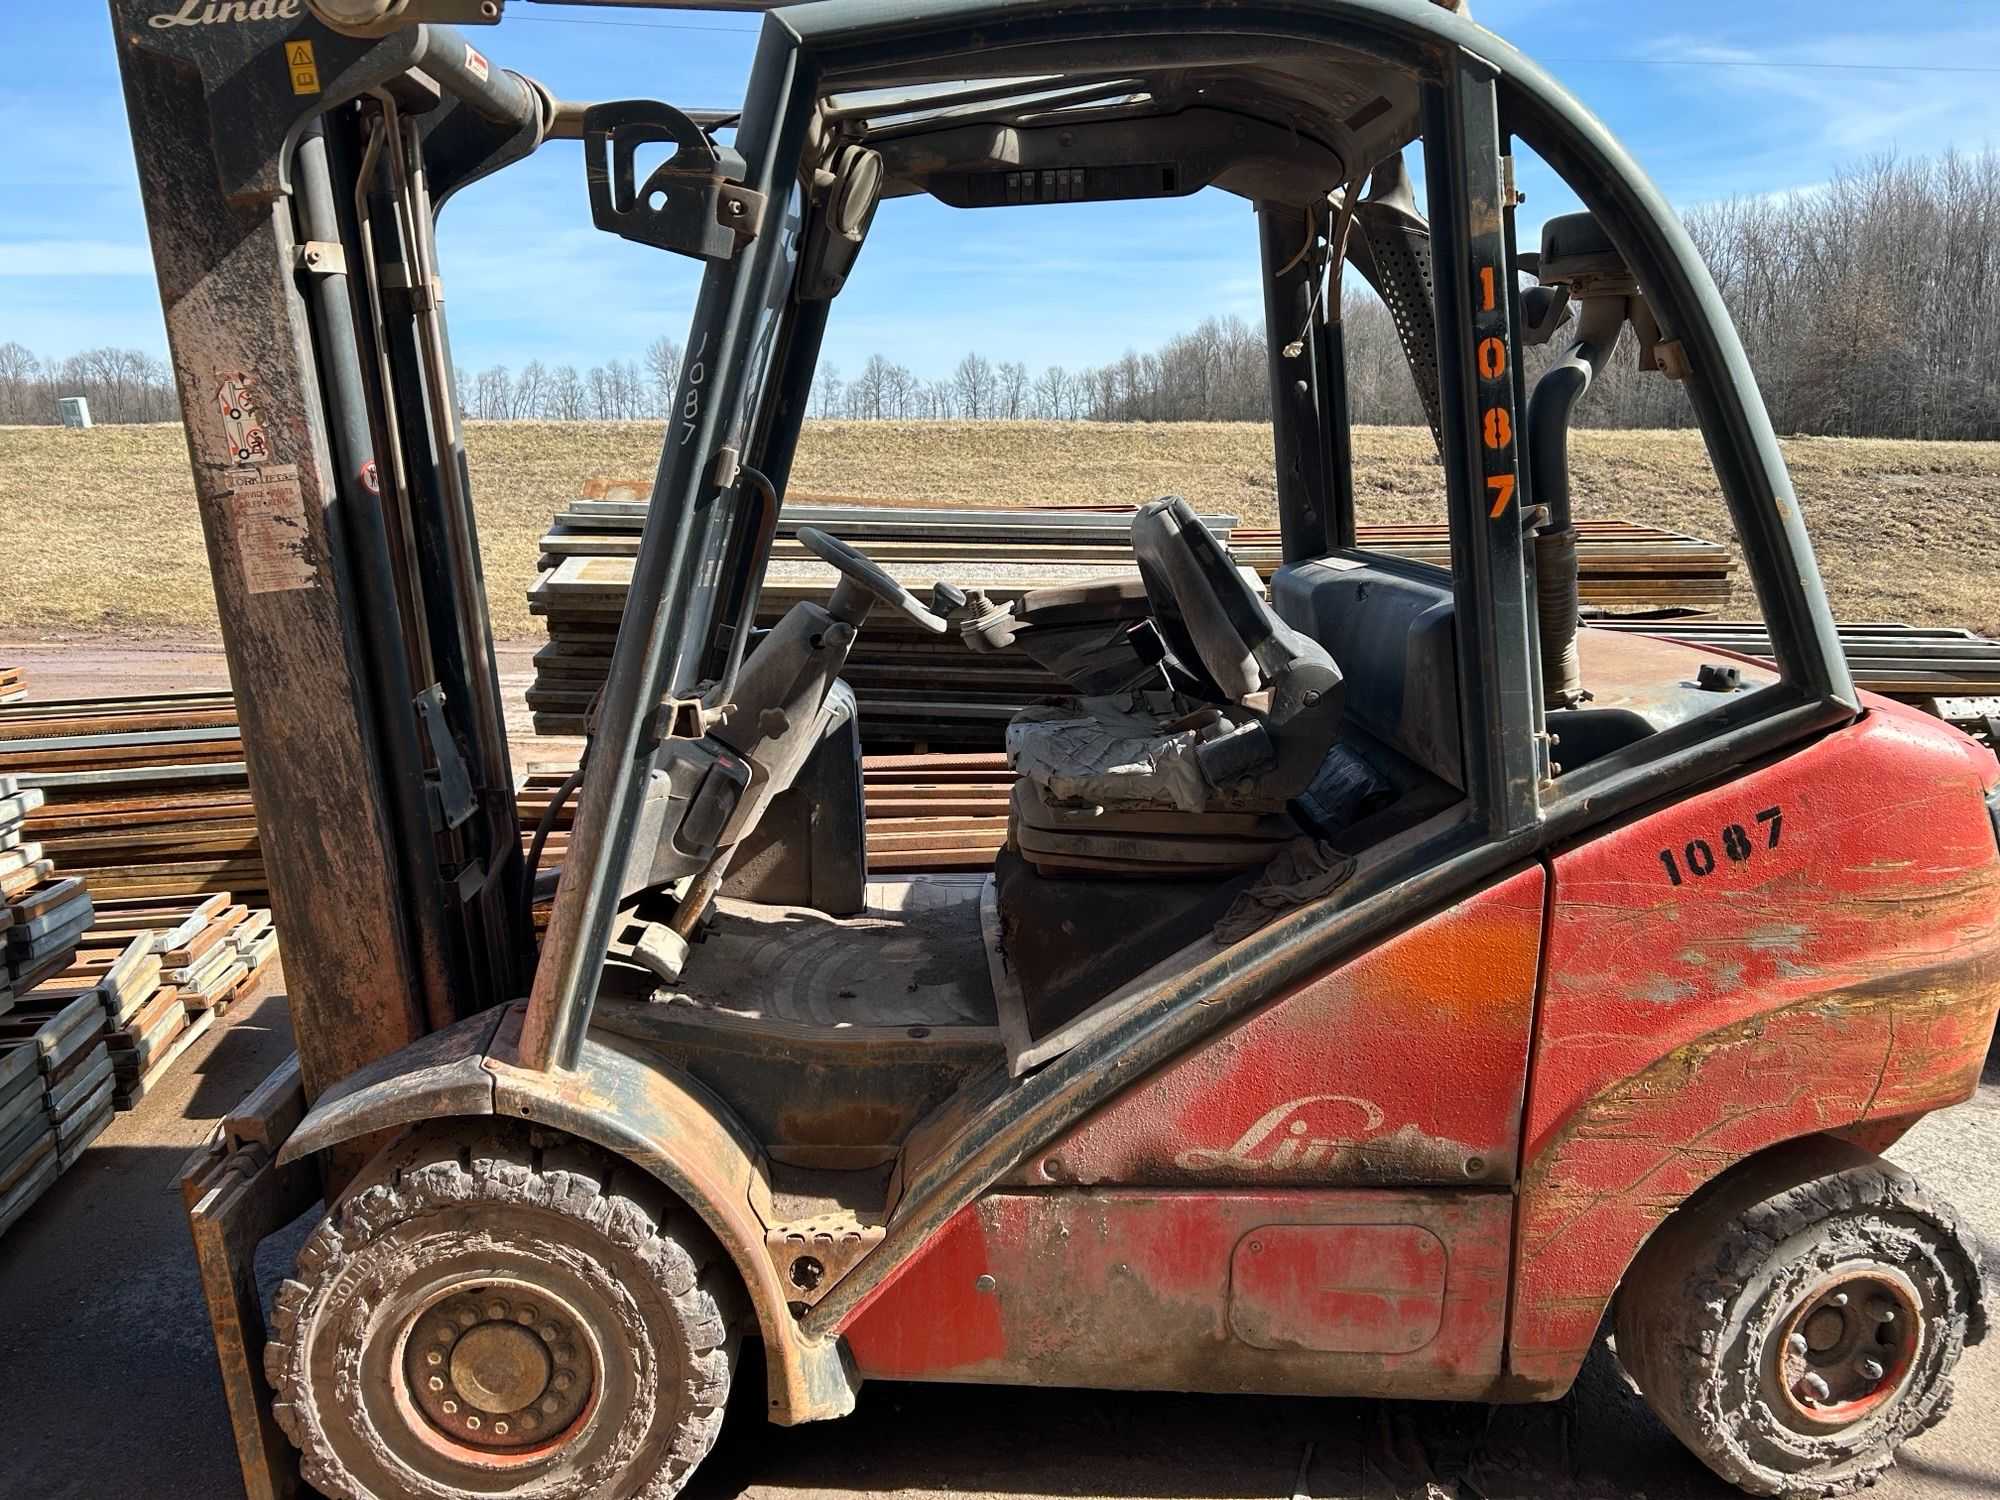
(1390, 986)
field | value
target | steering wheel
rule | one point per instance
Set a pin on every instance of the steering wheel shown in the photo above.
(865, 576)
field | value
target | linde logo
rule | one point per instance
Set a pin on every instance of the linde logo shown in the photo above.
(1299, 1135)
(222, 12)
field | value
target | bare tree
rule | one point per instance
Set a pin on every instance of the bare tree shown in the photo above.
(829, 396)
(530, 391)
(493, 394)
(972, 385)
(566, 399)
(663, 369)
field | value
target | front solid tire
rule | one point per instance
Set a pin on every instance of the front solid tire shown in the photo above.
(1796, 1324)
(493, 1312)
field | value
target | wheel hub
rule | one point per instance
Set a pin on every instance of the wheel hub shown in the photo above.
(1848, 1348)
(499, 1368)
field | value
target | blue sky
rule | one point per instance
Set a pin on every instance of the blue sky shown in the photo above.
(1805, 86)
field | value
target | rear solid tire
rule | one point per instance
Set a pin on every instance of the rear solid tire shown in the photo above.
(530, 1234)
(1712, 1319)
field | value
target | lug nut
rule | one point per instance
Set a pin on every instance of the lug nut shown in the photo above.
(473, 1423)
(436, 1382)
(1812, 1388)
(450, 1408)
(496, 1309)
(1796, 1346)
(527, 1315)
(564, 1380)
(499, 1429)
(530, 1421)
(435, 1357)
(548, 1332)
(1870, 1369)
(1882, 1310)
(566, 1354)
(551, 1405)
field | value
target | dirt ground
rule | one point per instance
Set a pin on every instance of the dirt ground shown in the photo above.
(1904, 531)
(109, 1389)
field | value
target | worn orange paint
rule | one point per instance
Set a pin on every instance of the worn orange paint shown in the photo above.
(1401, 1068)
(1850, 974)
(1135, 1290)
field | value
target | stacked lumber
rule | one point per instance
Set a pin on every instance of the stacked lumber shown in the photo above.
(144, 796)
(925, 813)
(897, 670)
(42, 916)
(56, 1091)
(13, 684)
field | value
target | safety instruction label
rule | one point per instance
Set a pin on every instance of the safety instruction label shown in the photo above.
(305, 72)
(475, 64)
(272, 543)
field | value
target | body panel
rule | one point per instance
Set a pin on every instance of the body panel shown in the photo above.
(1838, 962)
(1403, 1067)
(1354, 1292)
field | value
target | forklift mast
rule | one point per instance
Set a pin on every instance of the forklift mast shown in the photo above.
(306, 321)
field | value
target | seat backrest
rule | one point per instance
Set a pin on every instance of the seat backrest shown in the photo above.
(1212, 618)
(1392, 625)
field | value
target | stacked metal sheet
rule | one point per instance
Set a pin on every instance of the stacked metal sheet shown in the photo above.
(145, 796)
(925, 813)
(922, 692)
(56, 1091)
(43, 916)
(916, 690)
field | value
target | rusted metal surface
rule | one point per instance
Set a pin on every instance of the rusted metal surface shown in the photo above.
(269, 509)
(1810, 948)
(815, 1096)
(1358, 1292)
(644, 1110)
(1402, 1068)
(235, 1197)
(1338, 1288)
(440, 1077)
(628, 1101)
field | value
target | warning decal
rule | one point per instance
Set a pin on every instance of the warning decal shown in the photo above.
(237, 399)
(475, 64)
(305, 72)
(269, 511)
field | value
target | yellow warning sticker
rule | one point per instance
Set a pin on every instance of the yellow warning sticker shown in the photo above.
(305, 72)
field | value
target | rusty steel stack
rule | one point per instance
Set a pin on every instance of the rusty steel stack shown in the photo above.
(144, 796)
(923, 692)
(925, 813)
(916, 691)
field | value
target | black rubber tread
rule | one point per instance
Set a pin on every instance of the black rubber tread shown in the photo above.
(1694, 1315)
(443, 1170)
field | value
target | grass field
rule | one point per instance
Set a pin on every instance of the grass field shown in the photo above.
(98, 532)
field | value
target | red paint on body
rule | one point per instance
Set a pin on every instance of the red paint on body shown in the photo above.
(1403, 1067)
(1849, 974)
(1137, 1290)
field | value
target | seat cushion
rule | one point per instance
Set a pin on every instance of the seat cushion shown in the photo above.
(1135, 751)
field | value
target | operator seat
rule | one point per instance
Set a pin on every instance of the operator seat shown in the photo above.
(1191, 775)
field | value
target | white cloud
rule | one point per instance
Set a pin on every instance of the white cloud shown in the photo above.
(74, 258)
